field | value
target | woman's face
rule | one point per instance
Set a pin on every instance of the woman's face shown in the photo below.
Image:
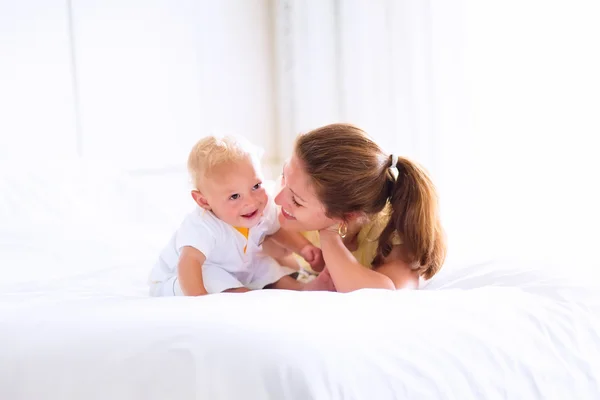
(300, 210)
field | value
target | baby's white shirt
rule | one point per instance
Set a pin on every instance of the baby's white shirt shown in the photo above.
(222, 245)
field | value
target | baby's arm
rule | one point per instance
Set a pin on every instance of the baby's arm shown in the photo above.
(190, 271)
(297, 243)
(292, 241)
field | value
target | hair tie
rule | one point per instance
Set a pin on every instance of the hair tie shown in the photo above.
(394, 166)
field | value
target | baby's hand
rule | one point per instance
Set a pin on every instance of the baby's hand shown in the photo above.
(322, 282)
(313, 256)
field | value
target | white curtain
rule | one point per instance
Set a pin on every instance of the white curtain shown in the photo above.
(389, 66)
(499, 100)
(359, 62)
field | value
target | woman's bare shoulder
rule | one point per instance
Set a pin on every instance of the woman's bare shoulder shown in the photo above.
(396, 267)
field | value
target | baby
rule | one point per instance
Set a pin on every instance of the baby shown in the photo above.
(218, 246)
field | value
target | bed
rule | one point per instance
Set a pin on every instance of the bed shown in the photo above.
(76, 321)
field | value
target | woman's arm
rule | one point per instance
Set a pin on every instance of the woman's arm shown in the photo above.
(349, 275)
(286, 283)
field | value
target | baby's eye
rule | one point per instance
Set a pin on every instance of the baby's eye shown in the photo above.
(234, 197)
(257, 186)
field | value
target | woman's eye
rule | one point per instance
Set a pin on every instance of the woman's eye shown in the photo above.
(234, 197)
(295, 202)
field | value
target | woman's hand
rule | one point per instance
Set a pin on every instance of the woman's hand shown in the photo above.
(331, 230)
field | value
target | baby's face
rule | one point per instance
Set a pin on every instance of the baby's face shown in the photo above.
(235, 194)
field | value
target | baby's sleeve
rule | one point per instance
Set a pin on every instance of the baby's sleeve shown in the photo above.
(196, 233)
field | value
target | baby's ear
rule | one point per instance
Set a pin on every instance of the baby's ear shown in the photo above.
(200, 199)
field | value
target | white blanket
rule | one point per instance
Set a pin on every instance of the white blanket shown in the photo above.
(100, 337)
(76, 322)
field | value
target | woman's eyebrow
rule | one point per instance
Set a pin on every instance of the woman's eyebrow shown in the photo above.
(294, 193)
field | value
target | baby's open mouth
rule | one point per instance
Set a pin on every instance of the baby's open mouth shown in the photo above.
(250, 215)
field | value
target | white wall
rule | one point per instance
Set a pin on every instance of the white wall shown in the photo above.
(137, 82)
(156, 76)
(522, 176)
(36, 81)
(150, 77)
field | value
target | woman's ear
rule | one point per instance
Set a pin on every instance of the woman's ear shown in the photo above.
(200, 199)
(354, 217)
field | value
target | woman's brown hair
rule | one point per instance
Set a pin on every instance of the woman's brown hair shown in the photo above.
(351, 174)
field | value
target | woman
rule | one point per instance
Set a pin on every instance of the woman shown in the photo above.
(376, 214)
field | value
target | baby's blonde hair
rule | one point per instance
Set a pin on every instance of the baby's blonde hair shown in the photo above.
(211, 152)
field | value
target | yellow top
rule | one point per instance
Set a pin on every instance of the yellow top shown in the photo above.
(244, 232)
(368, 238)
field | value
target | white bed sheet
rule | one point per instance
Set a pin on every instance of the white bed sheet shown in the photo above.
(76, 322)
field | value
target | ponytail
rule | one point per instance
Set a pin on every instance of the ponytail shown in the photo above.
(351, 174)
(415, 218)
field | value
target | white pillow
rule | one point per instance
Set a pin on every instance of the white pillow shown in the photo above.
(57, 191)
(72, 217)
